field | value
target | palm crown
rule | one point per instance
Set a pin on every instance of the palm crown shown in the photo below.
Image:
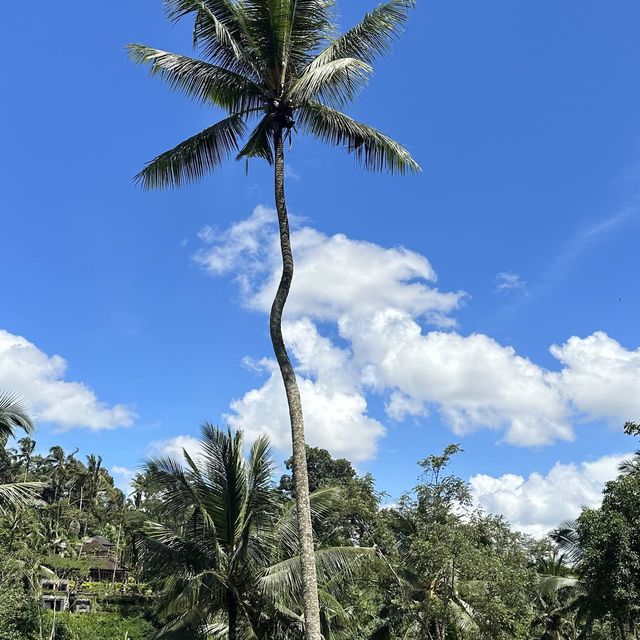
(13, 415)
(278, 65)
(227, 544)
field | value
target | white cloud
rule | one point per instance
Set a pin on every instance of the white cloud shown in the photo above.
(243, 243)
(472, 380)
(174, 447)
(507, 280)
(375, 301)
(539, 503)
(600, 377)
(335, 408)
(39, 378)
(123, 476)
(334, 275)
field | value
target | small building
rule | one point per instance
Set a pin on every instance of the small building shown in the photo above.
(98, 547)
(104, 564)
(107, 570)
(81, 605)
(53, 584)
(55, 602)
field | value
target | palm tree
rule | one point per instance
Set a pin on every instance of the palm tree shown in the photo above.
(27, 447)
(13, 416)
(226, 545)
(276, 62)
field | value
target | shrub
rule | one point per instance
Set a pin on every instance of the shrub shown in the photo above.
(18, 614)
(100, 626)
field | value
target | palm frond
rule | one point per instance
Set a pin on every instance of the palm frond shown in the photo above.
(224, 11)
(312, 25)
(372, 37)
(547, 585)
(337, 81)
(462, 616)
(179, 493)
(285, 576)
(216, 31)
(266, 25)
(376, 151)
(261, 497)
(195, 157)
(189, 625)
(13, 415)
(227, 490)
(200, 80)
(17, 495)
(567, 539)
(630, 466)
(260, 142)
(285, 529)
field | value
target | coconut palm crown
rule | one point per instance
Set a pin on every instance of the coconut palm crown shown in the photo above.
(278, 64)
(225, 546)
(13, 415)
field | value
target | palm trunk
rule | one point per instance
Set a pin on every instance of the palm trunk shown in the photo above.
(301, 482)
(232, 610)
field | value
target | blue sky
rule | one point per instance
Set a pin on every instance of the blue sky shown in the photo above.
(525, 119)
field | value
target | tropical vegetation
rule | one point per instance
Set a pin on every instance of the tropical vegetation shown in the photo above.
(209, 541)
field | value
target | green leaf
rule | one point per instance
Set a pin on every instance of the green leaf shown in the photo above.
(376, 151)
(192, 159)
(17, 495)
(200, 80)
(260, 142)
(372, 37)
(337, 81)
(13, 415)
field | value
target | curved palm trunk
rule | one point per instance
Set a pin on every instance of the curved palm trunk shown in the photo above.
(301, 482)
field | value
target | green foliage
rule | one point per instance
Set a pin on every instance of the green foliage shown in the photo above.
(352, 519)
(99, 626)
(610, 566)
(453, 572)
(443, 570)
(18, 614)
(115, 588)
(224, 547)
(65, 566)
(280, 67)
(18, 608)
(13, 416)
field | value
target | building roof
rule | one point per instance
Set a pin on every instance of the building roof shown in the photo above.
(102, 541)
(97, 543)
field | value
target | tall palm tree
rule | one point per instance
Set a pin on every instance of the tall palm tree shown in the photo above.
(27, 447)
(276, 63)
(225, 544)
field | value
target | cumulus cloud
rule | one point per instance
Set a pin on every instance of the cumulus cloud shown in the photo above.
(334, 274)
(39, 378)
(123, 476)
(335, 407)
(539, 503)
(472, 380)
(175, 447)
(376, 303)
(600, 377)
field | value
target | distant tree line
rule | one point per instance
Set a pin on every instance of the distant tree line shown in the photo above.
(215, 538)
